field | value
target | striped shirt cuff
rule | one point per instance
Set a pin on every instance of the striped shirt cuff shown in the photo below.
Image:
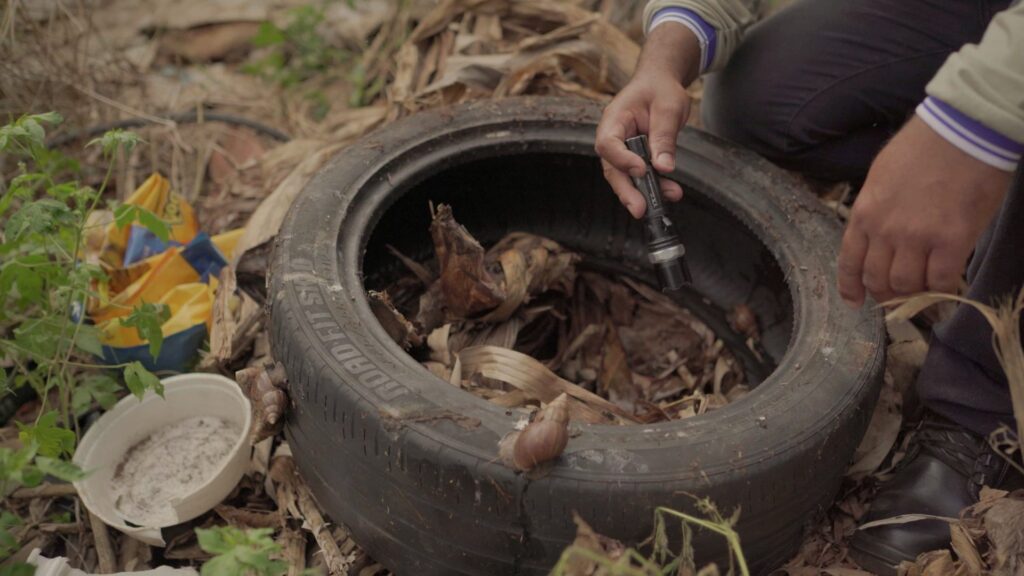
(971, 136)
(704, 32)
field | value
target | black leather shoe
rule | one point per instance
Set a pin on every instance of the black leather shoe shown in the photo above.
(941, 475)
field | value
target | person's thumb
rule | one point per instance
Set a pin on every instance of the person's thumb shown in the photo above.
(667, 116)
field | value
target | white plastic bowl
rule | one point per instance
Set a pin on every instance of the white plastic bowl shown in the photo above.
(132, 420)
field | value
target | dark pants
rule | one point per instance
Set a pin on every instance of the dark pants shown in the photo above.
(819, 88)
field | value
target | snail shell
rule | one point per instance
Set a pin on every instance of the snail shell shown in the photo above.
(544, 439)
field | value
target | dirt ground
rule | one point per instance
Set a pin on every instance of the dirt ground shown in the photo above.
(239, 102)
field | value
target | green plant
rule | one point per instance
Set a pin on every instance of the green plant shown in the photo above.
(44, 286)
(240, 552)
(298, 51)
(662, 561)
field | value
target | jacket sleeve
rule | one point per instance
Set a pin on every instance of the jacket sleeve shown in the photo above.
(718, 24)
(976, 101)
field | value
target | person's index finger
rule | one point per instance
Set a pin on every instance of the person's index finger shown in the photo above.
(850, 266)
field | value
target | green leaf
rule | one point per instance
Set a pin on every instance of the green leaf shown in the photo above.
(18, 569)
(267, 35)
(240, 553)
(39, 337)
(63, 191)
(147, 320)
(15, 467)
(112, 140)
(125, 214)
(23, 274)
(52, 440)
(60, 469)
(60, 517)
(154, 224)
(26, 134)
(8, 543)
(99, 387)
(40, 216)
(138, 380)
(88, 340)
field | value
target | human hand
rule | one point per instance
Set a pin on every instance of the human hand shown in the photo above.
(654, 102)
(916, 220)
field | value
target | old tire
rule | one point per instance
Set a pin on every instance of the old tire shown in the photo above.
(409, 463)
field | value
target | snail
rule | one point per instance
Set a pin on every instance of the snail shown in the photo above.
(264, 387)
(543, 439)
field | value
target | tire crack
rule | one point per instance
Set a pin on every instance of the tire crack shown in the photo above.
(523, 520)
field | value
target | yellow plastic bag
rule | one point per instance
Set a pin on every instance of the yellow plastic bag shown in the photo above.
(132, 243)
(180, 274)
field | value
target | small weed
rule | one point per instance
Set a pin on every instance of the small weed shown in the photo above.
(240, 552)
(44, 287)
(297, 52)
(662, 561)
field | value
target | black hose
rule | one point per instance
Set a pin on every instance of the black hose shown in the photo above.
(186, 117)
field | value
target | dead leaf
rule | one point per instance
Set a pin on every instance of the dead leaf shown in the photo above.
(965, 549)
(587, 539)
(437, 342)
(881, 434)
(217, 41)
(514, 285)
(615, 379)
(181, 14)
(844, 571)
(394, 323)
(1004, 523)
(531, 376)
(235, 149)
(904, 519)
(937, 563)
(467, 288)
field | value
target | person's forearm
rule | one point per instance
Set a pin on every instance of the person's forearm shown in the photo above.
(718, 24)
(671, 49)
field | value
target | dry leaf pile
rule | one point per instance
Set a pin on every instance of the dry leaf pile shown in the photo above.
(525, 321)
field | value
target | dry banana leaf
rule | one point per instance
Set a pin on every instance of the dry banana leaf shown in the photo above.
(529, 375)
(467, 288)
(615, 379)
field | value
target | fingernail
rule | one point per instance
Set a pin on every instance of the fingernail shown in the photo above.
(637, 172)
(666, 159)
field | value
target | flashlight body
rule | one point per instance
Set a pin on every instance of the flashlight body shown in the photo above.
(664, 249)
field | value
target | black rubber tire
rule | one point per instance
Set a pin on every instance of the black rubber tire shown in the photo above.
(409, 463)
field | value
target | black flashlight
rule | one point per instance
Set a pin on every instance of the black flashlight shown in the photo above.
(664, 249)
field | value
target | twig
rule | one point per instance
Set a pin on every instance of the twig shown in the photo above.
(44, 491)
(282, 471)
(125, 108)
(294, 550)
(248, 518)
(135, 555)
(104, 547)
(60, 528)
